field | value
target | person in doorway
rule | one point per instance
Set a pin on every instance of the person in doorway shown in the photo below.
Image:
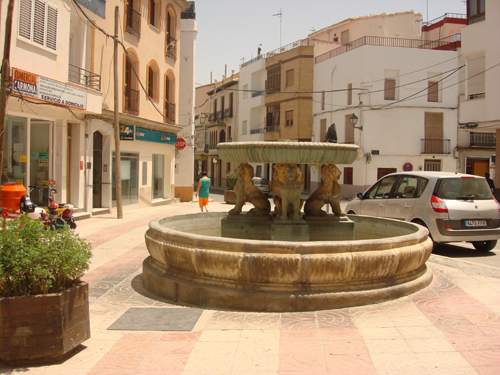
(203, 191)
(490, 182)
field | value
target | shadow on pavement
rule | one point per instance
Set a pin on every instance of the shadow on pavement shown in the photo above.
(454, 251)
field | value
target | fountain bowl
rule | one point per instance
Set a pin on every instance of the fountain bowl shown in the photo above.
(191, 264)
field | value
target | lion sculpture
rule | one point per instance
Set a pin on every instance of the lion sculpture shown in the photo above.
(327, 193)
(247, 192)
(288, 183)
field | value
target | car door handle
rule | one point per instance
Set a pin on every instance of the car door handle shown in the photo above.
(381, 205)
(407, 206)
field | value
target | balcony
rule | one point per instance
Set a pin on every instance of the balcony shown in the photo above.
(219, 115)
(84, 77)
(171, 44)
(211, 117)
(131, 101)
(169, 112)
(133, 22)
(228, 113)
(435, 146)
(275, 128)
(483, 140)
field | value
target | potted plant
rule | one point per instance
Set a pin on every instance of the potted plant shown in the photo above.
(229, 194)
(44, 306)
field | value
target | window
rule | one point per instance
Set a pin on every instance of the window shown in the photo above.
(322, 130)
(38, 23)
(170, 34)
(406, 187)
(228, 167)
(349, 93)
(222, 106)
(390, 89)
(230, 105)
(476, 77)
(129, 165)
(229, 138)
(348, 173)
(169, 97)
(382, 189)
(475, 11)
(289, 77)
(323, 101)
(152, 81)
(433, 143)
(289, 118)
(432, 91)
(244, 127)
(245, 91)
(349, 129)
(344, 37)
(432, 165)
(274, 79)
(154, 13)
(133, 18)
(15, 145)
(131, 100)
(273, 115)
(258, 171)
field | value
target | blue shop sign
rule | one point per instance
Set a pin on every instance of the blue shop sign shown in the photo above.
(154, 136)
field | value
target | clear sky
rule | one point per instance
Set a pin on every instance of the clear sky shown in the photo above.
(230, 31)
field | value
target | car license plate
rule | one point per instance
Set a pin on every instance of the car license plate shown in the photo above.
(475, 223)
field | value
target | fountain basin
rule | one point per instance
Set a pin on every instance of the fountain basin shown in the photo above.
(190, 263)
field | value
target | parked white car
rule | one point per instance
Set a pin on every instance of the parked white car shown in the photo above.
(454, 207)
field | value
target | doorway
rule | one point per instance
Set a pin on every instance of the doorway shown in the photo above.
(478, 167)
(97, 171)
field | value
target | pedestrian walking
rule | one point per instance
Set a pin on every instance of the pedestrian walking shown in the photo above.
(203, 191)
(490, 182)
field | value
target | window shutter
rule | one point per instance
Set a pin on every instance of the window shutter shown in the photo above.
(390, 89)
(39, 23)
(432, 91)
(52, 27)
(25, 19)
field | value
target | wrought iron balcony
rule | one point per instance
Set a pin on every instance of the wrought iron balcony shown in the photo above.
(219, 115)
(171, 47)
(169, 112)
(211, 117)
(228, 112)
(84, 77)
(435, 146)
(275, 128)
(483, 139)
(133, 21)
(131, 101)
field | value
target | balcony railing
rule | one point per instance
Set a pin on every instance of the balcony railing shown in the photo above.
(258, 93)
(275, 128)
(256, 131)
(228, 112)
(483, 139)
(450, 43)
(446, 15)
(131, 101)
(84, 77)
(435, 146)
(479, 95)
(133, 21)
(211, 117)
(288, 47)
(219, 115)
(169, 112)
(171, 47)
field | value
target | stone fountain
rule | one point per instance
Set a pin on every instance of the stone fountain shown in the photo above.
(296, 258)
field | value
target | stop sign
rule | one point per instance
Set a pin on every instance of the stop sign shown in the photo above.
(181, 143)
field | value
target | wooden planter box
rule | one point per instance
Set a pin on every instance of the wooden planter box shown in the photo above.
(230, 196)
(43, 328)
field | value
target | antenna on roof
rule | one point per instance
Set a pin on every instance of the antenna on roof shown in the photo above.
(281, 19)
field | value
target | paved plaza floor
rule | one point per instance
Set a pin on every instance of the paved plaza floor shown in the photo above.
(451, 327)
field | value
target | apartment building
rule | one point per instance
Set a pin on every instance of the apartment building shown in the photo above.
(479, 110)
(60, 115)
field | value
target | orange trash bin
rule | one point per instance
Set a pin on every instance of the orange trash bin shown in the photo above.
(11, 199)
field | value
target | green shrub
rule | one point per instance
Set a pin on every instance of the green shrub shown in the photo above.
(38, 261)
(231, 179)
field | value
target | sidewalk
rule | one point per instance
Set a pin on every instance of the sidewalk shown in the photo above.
(451, 327)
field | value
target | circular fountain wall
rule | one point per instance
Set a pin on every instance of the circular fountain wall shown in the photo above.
(190, 263)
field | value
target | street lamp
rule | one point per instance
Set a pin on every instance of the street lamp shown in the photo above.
(203, 118)
(354, 120)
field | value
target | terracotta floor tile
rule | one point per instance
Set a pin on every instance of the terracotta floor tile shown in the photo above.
(127, 361)
(172, 347)
(298, 321)
(449, 320)
(181, 336)
(297, 334)
(335, 318)
(435, 306)
(163, 364)
(387, 346)
(340, 334)
(482, 357)
(301, 355)
(352, 364)
(344, 347)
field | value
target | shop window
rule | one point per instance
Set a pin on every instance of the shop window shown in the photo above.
(14, 150)
(129, 165)
(158, 176)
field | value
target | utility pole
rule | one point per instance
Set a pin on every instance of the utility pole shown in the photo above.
(118, 171)
(4, 80)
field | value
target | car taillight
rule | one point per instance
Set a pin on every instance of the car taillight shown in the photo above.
(438, 204)
(498, 204)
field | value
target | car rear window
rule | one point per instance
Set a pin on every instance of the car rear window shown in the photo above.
(260, 181)
(455, 188)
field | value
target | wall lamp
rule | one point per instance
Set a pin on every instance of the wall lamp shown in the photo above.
(354, 120)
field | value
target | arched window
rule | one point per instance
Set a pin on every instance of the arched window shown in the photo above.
(170, 33)
(131, 86)
(152, 80)
(169, 108)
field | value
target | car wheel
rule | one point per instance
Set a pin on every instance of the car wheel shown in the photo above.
(484, 245)
(420, 222)
(351, 213)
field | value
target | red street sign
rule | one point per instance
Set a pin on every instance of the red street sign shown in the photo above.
(181, 143)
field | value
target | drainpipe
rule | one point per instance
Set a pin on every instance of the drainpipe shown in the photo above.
(331, 95)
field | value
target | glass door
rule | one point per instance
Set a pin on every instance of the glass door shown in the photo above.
(158, 176)
(40, 171)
